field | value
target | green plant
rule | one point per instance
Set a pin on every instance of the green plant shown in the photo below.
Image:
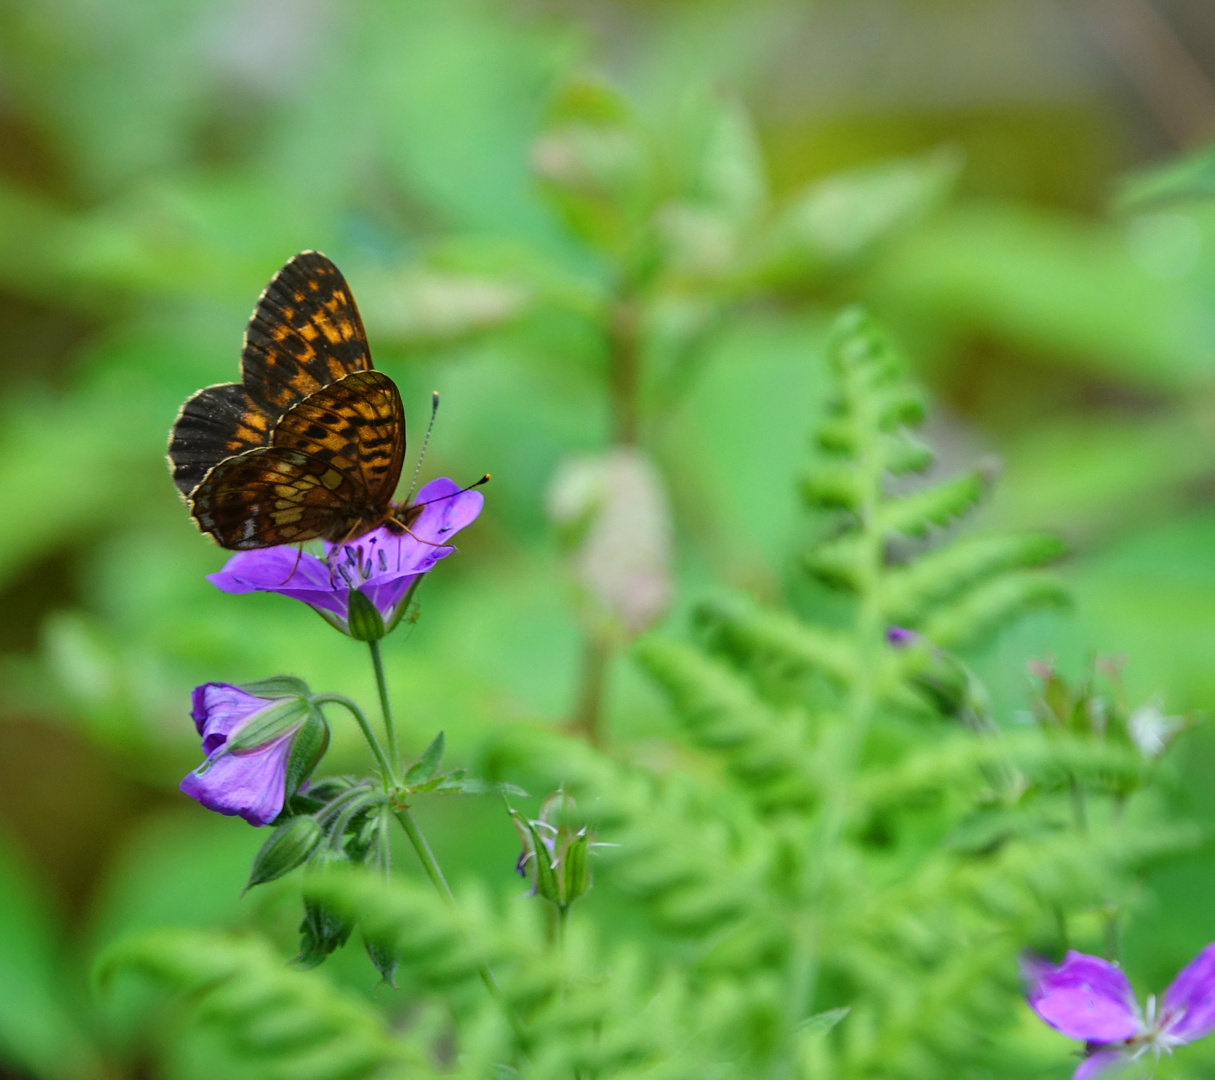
(838, 878)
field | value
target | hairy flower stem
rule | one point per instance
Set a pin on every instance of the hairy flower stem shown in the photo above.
(377, 661)
(433, 871)
(386, 766)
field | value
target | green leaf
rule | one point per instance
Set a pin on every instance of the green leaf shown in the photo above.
(424, 768)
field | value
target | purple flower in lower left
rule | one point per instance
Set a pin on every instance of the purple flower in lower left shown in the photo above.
(249, 739)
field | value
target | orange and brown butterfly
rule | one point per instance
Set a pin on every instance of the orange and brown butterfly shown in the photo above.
(309, 444)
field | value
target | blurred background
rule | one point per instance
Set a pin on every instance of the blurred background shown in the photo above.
(960, 166)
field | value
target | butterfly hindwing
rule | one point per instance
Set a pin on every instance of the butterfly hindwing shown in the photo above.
(214, 424)
(275, 495)
(357, 426)
(305, 333)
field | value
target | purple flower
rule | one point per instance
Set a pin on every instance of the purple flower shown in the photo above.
(248, 739)
(381, 564)
(900, 637)
(1088, 998)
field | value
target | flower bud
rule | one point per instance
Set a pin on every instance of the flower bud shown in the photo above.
(323, 929)
(289, 846)
(555, 855)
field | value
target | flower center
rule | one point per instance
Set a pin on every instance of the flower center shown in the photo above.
(356, 563)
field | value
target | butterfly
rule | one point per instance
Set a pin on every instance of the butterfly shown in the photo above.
(309, 444)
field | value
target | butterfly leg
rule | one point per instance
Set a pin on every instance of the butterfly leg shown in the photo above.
(299, 554)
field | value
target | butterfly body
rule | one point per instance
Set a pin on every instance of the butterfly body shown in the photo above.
(310, 443)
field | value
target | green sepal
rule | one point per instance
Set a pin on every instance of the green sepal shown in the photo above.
(384, 960)
(545, 877)
(362, 618)
(306, 752)
(363, 832)
(322, 930)
(266, 725)
(277, 686)
(289, 846)
(425, 767)
(575, 868)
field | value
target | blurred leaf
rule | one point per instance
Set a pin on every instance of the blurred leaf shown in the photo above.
(837, 221)
(1062, 287)
(1190, 178)
(39, 1030)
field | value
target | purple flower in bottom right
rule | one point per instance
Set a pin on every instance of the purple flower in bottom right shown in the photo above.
(1088, 998)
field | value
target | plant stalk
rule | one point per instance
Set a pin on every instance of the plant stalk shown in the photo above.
(433, 871)
(377, 661)
(588, 710)
(386, 766)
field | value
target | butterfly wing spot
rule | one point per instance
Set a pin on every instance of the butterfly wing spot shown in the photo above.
(332, 479)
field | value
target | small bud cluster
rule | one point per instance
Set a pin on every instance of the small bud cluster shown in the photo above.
(556, 852)
(1097, 708)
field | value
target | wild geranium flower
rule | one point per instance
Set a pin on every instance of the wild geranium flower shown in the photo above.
(257, 745)
(381, 565)
(1088, 998)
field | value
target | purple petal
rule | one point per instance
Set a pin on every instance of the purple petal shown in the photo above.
(1085, 997)
(251, 785)
(445, 510)
(287, 571)
(218, 708)
(1189, 1002)
(900, 637)
(1098, 1063)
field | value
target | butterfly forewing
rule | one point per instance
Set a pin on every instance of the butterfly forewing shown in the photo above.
(356, 426)
(274, 495)
(305, 333)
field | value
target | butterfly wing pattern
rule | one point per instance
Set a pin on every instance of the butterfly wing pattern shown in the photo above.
(305, 333)
(310, 443)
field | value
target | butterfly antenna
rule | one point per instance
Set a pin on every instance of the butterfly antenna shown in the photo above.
(452, 494)
(434, 411)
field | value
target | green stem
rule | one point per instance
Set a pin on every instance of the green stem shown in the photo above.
(377, 661)
(847, 749)
(596, 655)
(425, 856)
(386, 766)
(433, 871)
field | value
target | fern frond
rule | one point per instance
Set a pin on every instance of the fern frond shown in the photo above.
(766, 750)
(917, 513)
(992, 605)
(690, 886)
(910, 592)
(295, 1024)
(740, 627)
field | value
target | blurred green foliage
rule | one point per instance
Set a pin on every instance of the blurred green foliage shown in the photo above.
(573, 260)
